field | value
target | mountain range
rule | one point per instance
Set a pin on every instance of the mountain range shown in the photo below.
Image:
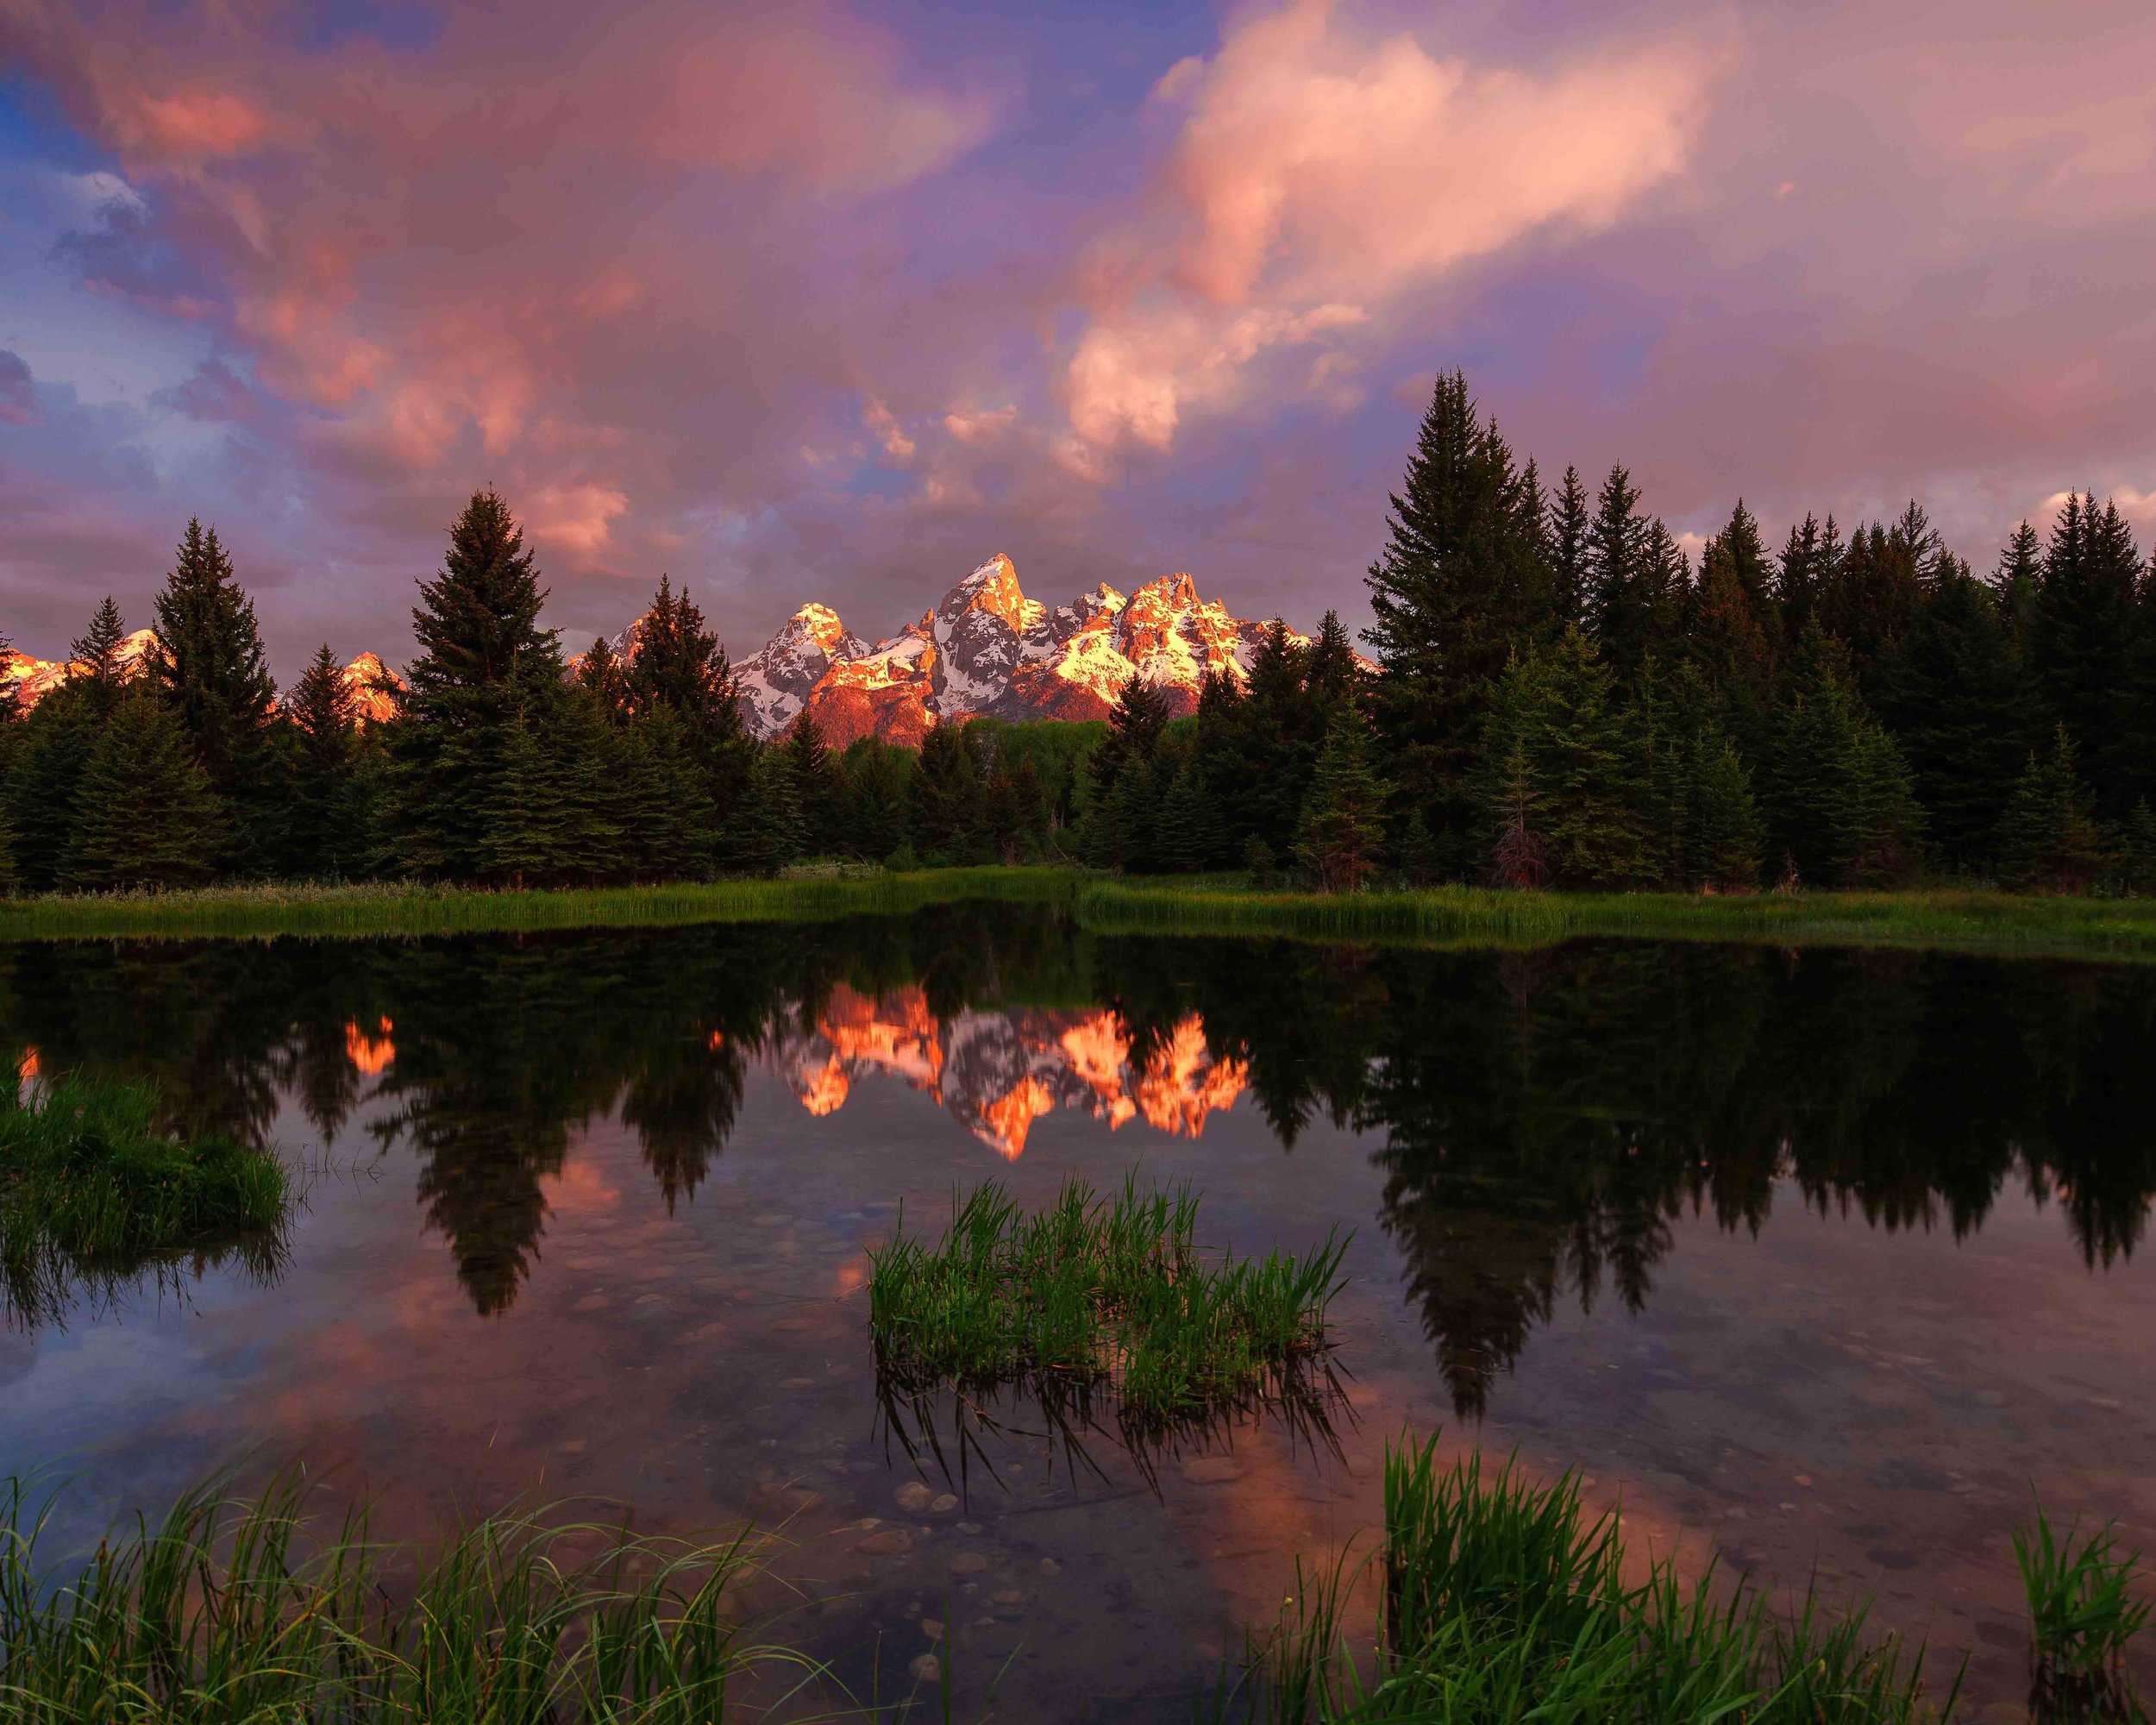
(984, 649)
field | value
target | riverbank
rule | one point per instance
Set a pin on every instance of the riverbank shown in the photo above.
(1949, 918)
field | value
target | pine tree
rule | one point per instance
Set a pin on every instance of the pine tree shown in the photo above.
(2139, 860)
(1624, 608)
(2081, 637)
(1955, 697)
(478, 702)
(1725, 832)
(521, 811)
(1811, 562)
(947, 798)
(1462, 582)
(665, 819)
(1569, 519)
(50, 758)
(1518, 859)
(590, 794)
(816, 777)
(142, 813)
(2049, 838)
(600, 671)
(1735, 637)
(766, 831)
(93, 659)
(10, 688)
(207, 660)
(1558, 709)
(1420, 862)
(1871, 595)
(879, 797)
(1841, 807)
(1190, 839)
(326, 832)
(2016, 582)
(1343, 827)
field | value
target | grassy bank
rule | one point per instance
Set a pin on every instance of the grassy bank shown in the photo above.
(1096, 1291)
(1447, 916)
(90, 1187)
(403, 909)
(1473, 916)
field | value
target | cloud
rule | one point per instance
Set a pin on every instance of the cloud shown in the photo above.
(18, 393)
(1317, 173)
(575, 518)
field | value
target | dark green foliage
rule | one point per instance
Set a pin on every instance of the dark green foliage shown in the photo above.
(764, 834)
(879, 797)
(2139, 860)
(93, 658)
(1342, 832)
(328, 816)
(1569, 519)
(1416, 852)
(1726, 834)
(601, 671)
(2049, 840)
(1958, 701)
(50, 755)
(1634, 581)
(1461, 581)
(1734, 637)
(1841, 811)
(2081, 638)
(143, 813)
(817, 782)
(1867, 597)
(948, 798)
(1567, 770)
(209, 670)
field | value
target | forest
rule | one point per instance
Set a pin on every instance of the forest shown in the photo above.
(1553, 695)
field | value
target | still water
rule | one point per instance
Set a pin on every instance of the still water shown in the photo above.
(1823, 1263)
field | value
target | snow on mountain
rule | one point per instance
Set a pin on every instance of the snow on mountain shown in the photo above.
(775, 680)
(370, 704)
(987, 649)
(37, 678)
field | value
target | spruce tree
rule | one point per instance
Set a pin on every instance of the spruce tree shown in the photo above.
(816, 777)
(50, 756)
(142, 814)
(2137, 859)
(1724, 831)
(600, 671)
(665, 819)
(1840, 809)
(2016, 580)
(207, 660)
(93, 658)
(1810, 563)
(1956, 698)
(2049, 838)
(1461, 581)
(1570, 520)
(879, 796)
(10, 687)
(521, 812)
(1415, 851)
(478, 701)
(2081, 638)
(326, 831)
(766, 832)
(1343, 827)
(947, 798)
(1734, 638)
(1520, 859)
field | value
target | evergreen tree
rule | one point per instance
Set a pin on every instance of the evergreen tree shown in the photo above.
(767, 828)
(478, 701)
(1570, 520)
(1735, 637)
(1420, 862)
(664, 815)
(1840, 808)
(1956, 699)
(1520, 859)
(1559, 710)
(879, 797)
(327, 832)
(1811, 563)
(1725, 833)
(208, 659)
(816, 777)
(2139, 858)
(1868, 597)
(2049, 838)
(1461, 582)
(591, 793)
(142, 813)
(522, 811)
(50, 758)
(10, 688)
(1343, 825)
(2081, 637)
(93, 659)
(2015, 583)
(601, 671)
(947, 798)
(1189, 834)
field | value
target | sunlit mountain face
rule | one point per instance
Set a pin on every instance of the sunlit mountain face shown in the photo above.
(997, 1072)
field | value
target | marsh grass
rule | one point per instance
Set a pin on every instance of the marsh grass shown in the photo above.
(2083, 1613)
(91, 1188)
(1099, 1300)
(1479, 917)
(241, 1611)
(1502, 1599)
(396, 908)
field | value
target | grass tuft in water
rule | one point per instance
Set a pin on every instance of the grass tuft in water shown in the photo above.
(1096, 1291)
(2083, 1612)
(90, 1184)
(1503, 1600)
(233, 1612)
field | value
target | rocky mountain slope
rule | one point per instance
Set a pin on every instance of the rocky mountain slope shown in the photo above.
(987, 649)
(37, 678)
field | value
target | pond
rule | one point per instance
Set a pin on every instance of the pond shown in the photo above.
(1826, 1262)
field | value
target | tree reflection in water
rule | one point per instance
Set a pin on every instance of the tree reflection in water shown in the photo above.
(1542, 1120)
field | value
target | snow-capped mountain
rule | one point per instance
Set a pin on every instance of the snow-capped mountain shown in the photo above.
(987, 649)
(37, 678)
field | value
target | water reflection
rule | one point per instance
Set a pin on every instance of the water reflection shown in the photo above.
(1542, 1121)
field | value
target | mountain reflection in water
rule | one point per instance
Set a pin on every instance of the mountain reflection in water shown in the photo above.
(1541, 1120)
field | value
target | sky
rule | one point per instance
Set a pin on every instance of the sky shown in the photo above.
(824, 302)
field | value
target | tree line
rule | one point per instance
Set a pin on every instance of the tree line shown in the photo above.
(1562, 698)
(1559, 698)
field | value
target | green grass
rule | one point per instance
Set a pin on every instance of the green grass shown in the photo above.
(404, 909)
(1474, 916)
(1503, 1600)
(90, 1186)
(1450, 916)
(2083, 1613)
(1096, 1292)
(236, 1612)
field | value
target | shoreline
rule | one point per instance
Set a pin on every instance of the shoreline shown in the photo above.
(1953, 919)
